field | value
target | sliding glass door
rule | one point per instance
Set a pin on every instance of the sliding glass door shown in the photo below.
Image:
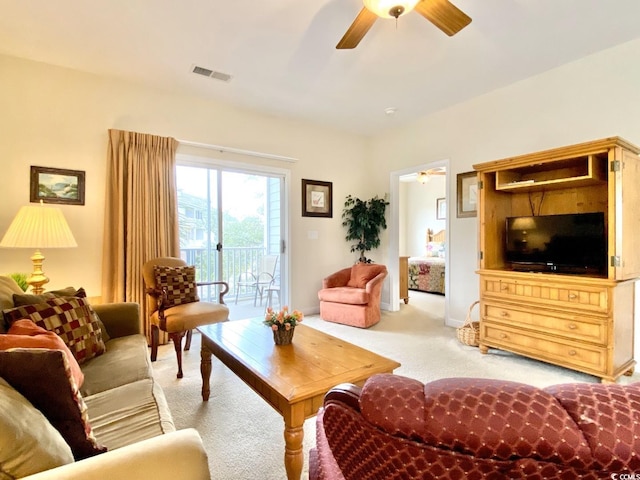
(231, 228)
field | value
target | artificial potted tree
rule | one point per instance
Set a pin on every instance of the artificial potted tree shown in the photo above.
(364, 220)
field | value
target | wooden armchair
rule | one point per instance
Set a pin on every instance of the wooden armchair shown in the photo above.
(173, 304)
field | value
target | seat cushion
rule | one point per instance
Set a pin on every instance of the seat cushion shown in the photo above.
(129, 413)
(191, 315)
(349, 295)
(125, 361)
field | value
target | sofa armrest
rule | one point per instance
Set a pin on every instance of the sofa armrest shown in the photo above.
(347, 393)
(120, 318)
(166, 457)
(337, 279)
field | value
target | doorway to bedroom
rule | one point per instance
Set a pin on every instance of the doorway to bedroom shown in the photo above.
(419, 226)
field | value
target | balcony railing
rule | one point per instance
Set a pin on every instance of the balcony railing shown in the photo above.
(236, 261)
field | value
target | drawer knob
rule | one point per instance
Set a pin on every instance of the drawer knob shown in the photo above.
(504, 335)
(572, 353)
(573, 296)
(504, 286)
(504, 314)
(572, 326)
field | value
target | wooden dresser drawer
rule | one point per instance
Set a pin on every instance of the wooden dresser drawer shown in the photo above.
(586, 357)
(576, 327)
(585, 297)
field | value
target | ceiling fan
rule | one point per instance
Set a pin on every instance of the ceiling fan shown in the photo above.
(425, 175)
(442, 13)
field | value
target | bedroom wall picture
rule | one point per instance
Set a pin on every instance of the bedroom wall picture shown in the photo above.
(441, 208)
(317, 198)
(467, 194)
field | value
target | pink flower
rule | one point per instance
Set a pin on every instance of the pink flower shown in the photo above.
(274, 327)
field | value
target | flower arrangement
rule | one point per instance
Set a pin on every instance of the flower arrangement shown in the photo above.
(282, 320)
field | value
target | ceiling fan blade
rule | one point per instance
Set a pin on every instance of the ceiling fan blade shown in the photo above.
(358, 29)
(444, 15)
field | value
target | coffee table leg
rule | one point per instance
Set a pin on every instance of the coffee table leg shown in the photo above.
(293, 436)
(205, 371)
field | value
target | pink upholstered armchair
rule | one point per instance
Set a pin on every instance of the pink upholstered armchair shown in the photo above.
(352, 295)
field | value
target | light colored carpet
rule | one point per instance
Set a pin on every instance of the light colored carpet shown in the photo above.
(243, 436)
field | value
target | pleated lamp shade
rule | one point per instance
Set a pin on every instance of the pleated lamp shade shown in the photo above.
(38, 227)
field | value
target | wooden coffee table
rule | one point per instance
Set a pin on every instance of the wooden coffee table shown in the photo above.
(294, 378)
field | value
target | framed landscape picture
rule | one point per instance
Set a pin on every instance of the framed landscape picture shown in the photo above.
(55, 185)
(317, 199)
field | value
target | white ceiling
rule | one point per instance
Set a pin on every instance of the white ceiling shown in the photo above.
(282, 57)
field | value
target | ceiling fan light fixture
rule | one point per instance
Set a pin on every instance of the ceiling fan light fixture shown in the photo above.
(390, 8)
(423, 177)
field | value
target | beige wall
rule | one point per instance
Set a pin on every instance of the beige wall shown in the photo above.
(59, 118)
(593, 98)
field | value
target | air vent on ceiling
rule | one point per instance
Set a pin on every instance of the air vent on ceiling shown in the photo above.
(225, 77)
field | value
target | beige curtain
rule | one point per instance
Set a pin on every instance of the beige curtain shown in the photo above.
(141, 213)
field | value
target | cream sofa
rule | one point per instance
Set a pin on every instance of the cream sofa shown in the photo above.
(127, 409)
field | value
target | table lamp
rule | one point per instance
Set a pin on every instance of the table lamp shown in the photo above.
(37, 226)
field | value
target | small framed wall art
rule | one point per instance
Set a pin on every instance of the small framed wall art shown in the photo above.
(467, 194)
(317, 198)
(55, 185)
(441, 208)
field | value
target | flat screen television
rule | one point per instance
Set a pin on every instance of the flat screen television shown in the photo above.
(573, 243)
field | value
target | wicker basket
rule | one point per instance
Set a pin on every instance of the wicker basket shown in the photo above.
(469, 333)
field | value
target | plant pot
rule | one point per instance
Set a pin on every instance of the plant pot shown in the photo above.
(283, 337)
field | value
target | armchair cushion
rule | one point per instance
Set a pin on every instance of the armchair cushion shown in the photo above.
(361, 273)
(179, 283)
(191, 315)
(352, 296)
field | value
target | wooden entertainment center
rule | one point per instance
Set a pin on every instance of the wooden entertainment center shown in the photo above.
(584, 321)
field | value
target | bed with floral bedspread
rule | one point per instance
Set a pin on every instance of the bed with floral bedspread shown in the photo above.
(426, 274)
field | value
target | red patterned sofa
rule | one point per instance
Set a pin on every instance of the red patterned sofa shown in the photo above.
(464, 428)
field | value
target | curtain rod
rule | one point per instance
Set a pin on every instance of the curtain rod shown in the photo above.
(239, 151)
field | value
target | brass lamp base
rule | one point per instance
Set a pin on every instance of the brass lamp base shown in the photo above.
(37, 278)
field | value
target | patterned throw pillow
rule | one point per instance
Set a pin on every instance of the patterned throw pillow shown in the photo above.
(26, 334)
(20, 300)
(44, 378)
(178, 282)
(70, 318)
